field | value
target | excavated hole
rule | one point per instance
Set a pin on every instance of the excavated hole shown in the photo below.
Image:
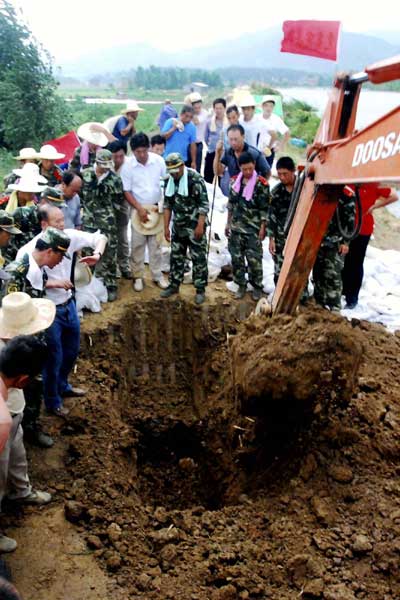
(175, 467)
(191, 452)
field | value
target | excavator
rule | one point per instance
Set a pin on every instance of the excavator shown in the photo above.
(339, 156)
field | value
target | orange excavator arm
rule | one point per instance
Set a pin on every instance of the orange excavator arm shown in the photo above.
(339, 155)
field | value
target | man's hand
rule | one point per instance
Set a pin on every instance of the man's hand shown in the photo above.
(228, 231)
(64, 284)
(261, 234)
(219, 148)
(167, 234)
(199, 231)
(143, 215)
(91, 260)
(343, 249)
(272, 247)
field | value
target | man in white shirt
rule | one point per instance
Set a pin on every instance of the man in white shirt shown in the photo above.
(274, 124)
(200, 118)
(63, 337)
(250, 122)
(141, 177)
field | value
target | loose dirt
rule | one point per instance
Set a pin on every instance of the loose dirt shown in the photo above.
(215, 458)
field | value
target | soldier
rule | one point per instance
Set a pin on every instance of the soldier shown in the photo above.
(27, 275)
(246, 226)
(7, 229)
(102, 196)
(21, 205)
(327, 271)
(186, 197)
(278, 211)
(47, 167)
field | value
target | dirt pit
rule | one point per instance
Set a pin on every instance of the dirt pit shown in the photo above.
(216, 458)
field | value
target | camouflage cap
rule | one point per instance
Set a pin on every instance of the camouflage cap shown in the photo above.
(173, 161)
(56, 240)
(7, 223)
(53, 196)
(104, 159)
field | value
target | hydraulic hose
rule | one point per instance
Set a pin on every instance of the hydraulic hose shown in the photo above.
(348, 236)
(298, 186)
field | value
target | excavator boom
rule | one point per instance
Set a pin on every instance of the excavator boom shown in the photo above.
(339, 155)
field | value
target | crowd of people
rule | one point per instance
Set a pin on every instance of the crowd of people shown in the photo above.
(54, 219)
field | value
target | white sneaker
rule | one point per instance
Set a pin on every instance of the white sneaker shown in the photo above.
(138, 285)
(7, 544)
(161, 283)
(35, 497)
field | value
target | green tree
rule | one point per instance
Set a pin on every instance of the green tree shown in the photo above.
(30, 109)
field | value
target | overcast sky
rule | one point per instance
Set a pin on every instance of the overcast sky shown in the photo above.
(69, 28)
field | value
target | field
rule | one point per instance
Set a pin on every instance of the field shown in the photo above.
(81, 112)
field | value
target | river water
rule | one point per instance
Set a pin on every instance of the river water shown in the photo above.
(372, 104)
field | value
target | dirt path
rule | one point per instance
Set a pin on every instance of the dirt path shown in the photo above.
(53, 562)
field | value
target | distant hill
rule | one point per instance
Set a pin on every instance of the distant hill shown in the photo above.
(256, 50)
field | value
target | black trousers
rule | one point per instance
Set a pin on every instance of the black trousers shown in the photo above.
(208, 167)
(199, 156)
(353, 270)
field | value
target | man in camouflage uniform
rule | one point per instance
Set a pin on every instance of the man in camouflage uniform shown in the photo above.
(278, 211)
(327, 271)
(186, 198)
(246, 226)
(7, 230)
(47, 167)
(27, 275)
(75, 163)
(102, 195)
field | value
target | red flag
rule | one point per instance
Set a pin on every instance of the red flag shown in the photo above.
(65, 144)
(312, 38)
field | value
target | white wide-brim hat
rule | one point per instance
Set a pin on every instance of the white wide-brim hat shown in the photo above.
(82, 275)
(30, 170)
(93, 137)
(27, 184)
(195, 97)
(132, 106)
(247, 100)
(48, 152)
(268, 98)
(26, 154)
(154, 225)
(22, 315)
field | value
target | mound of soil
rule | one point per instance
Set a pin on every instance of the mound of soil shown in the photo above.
(213, 460)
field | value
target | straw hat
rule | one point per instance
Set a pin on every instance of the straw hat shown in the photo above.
(247, 100)
(22, 315)
(154, 225)
(26, 154)
(131, 106)
(93, 137)
(82, 275)
(48, 152)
